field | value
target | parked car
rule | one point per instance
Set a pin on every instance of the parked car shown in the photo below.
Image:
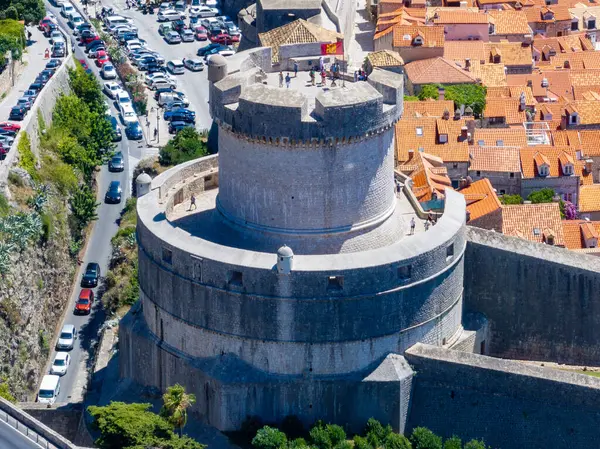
(164, 28)
(224, 39)
(116, 163)
(175, 104)
(75, 21)
(53, 63)
(187, 35)
(203, 51)
(6, 140)
(91, 276)
(49, 389)
(192, 64)
(90, 46)
(37, 86)
(201, 33)
(176, 67)
(81, 27)
(128, 113)
(184, 115)
(24, 102)
(203, 11)
(56, 36)
(102, 59)
(111, 89)
(134, 131)
(180, 5)
(44, 22)
(61, 362)
(113, 194)
(84, 302)
(49, 72)
(156, 75)
(173, 37)
(169, 15)
(87, 39)
(31, 95)
(108, 72)
(94, 53)
(17, 113)
(85, 34)
(176, 126)
(178, 25)
(66, 9)
(67, 337)
(9, 127)
(117, 134)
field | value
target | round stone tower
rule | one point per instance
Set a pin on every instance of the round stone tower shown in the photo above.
(295, 277)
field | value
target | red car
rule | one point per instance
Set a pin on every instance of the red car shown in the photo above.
(84, 302)
(201, 33)
(8, 126)
(87, 39)
(44, 23)
(102, 58)
(223, 39)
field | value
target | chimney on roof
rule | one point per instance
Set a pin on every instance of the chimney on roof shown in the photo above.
(457, 114)
(588, 166)
(411, 153)
(529, 83)
(468, 64)
(464, 133)
(578, 155)
(441, 93)
(446, 115)
(545, 82)
(522, 102)
(462, 183)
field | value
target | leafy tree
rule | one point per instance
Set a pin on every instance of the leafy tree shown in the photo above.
(269, 438)
(298, 443)
(12, 37)
(423, 438)
(336, 433)
(467, 94)
(396, 441)
(453, 443)
(429, 91)
(511, 199)
(11, 13)
(376, 433)
(187, 144)
(27, 159)
(343, 445)
(176, 402)
(60, 174)
(128, 425)
(410, 98)
(5, 392)
(361, 443)
(86, 87)
(541, 196)
(30, 11)
(475, 444)
(83, 206)
(319, 436)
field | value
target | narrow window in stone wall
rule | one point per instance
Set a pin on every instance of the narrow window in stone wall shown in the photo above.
(236, 278)
(197, 267)
(335, 282)
(404, 272)
(449, 252)
(167, 256)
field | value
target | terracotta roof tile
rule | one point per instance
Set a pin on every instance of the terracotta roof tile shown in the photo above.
(421, 134)
(404, 35)
(590, 142)
(431, 11)
(508, 137)
(503, 160)
(428, 108)
(533, 157)
(578, 60)
(459, 16)
(589, 198)
(385, 58)
(585, 77)
(509, 22)
(481, 199)
(529, 221)
(437, 70)
(490, 75)
(505, 107)
(548, 14)
(297, 32)
(461, 50)
(511, 53)
(575, 231)
(422, 169)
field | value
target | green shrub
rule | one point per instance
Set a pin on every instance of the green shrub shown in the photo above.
(336, 433)
(12, 37)
(396, 441)
(269, 438)
(541, 196)
(453, 443)
(410, 98)
(511, 199)
(475, 444)
(423, 438)
(187, 144)
(4, 206)
(298, 443)
(11, 13)
(44, 344)
(27, 159)
(60, 175)
(467, 94)
(343, 445)
(5, 392)
(361, 443)
(15, 179)
(9, 312)
(47, 227)
(319, 437)
(376, 433)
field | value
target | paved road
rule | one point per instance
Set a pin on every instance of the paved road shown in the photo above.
(98, 250)
(193, 84)
(13, 439)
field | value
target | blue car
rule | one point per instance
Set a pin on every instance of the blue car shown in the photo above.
(134, 131)
(168, 115)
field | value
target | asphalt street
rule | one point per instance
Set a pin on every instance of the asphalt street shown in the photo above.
(98, 250)
(13, 439)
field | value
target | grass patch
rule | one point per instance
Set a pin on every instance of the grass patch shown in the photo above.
(27, 159)
(4, 206)
(587, 373)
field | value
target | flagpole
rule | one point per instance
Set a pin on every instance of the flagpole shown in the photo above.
(345, 64)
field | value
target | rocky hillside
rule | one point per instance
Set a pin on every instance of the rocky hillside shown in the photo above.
(36, 281)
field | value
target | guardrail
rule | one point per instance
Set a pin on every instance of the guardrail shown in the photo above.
(26, 430)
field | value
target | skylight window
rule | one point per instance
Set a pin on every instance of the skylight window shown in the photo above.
(419, 131)
(536, 231)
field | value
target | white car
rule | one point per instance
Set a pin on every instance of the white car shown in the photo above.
(60, 364)
(67, 337)
(176, 67)
(225, 52)
(151, 77)
(195, 65)
(56, 36)
(108, 71)
(170, 15)
(128, 114)
(203, 11)
(122, 98)
(187, 35)
(160, 82)
(111, 89)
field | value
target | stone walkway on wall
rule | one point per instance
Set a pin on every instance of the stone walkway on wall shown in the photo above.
(364, 30)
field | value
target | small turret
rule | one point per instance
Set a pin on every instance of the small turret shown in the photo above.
(217, 68)
(142, 184)
(285, 260)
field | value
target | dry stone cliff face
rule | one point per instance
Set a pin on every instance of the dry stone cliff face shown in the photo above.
(32, 298)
